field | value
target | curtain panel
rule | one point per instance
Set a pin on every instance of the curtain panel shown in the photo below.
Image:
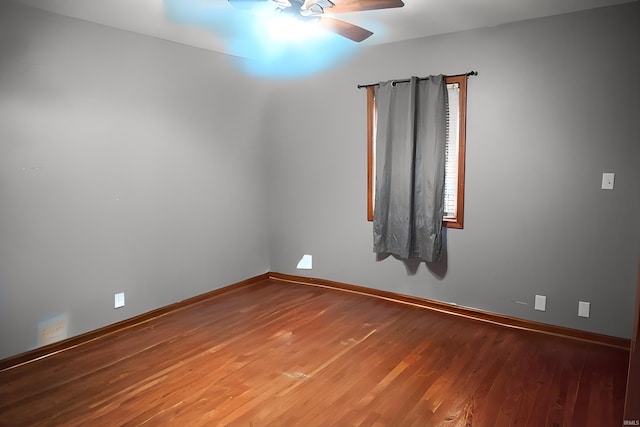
(411, 136)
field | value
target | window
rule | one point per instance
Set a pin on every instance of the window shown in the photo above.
(454, 154)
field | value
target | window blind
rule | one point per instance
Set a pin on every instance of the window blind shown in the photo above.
(451, 151)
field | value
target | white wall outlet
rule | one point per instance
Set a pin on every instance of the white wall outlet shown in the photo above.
(608, 180)
(583, 308)
(541, 303)
(118, 300)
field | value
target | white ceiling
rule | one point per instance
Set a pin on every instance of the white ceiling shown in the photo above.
(418, 18)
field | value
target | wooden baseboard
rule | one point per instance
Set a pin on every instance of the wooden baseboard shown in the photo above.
(469, 313)
(50, 349)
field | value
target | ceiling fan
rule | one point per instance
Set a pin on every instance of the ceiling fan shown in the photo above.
(315, 10)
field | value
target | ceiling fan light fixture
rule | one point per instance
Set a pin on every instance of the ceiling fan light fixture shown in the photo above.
(312, 10)
(325, 3)
(288, 29)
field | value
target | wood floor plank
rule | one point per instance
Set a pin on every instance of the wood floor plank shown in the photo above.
(282, 354)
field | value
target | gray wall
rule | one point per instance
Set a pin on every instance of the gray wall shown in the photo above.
(127, 164)
(556, 104)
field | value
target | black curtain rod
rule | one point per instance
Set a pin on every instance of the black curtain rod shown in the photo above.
(470, 73)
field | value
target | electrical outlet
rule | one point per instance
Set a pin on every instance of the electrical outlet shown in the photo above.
(608, 181)
(118, 300)
(584, 308)
(541, 303)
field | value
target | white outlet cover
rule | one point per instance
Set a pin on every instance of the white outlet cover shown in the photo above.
(541, 303)
(118, 300)
(608, 180)
(583, 308)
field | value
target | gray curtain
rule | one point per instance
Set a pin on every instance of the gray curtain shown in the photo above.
(411, 136)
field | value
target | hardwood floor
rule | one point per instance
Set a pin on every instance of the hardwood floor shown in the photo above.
(281, 354)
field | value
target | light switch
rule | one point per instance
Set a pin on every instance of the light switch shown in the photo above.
(607, 180)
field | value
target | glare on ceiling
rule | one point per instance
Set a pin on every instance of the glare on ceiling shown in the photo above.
(272, 44)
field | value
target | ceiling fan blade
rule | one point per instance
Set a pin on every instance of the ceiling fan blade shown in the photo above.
(344, 6)
(322, 3)
(345, 29)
